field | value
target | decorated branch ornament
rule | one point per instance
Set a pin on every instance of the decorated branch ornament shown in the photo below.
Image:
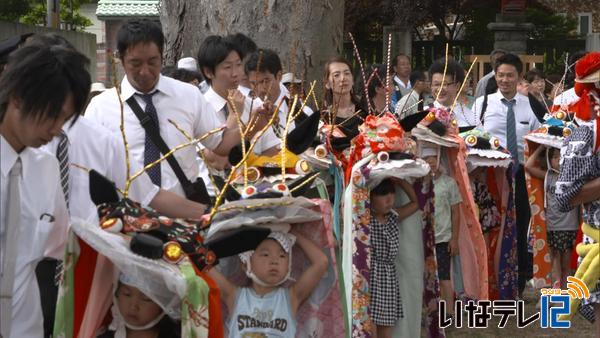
(286, 241)
(438, 126)
(392, 154)
(484, 150)
(553, 131)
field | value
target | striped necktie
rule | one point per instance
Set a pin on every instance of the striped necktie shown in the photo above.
(151, 152)
(62, 155)
(511, 130)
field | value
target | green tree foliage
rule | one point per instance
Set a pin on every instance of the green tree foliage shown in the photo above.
(12, 10)
(33, 12)
(550, 26)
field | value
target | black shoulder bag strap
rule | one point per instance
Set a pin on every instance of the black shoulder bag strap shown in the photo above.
(190, 189)
(483, 108)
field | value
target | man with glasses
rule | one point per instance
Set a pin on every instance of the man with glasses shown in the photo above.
(445, 94)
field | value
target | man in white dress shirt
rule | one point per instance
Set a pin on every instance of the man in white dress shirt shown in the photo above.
(508, 116)
(40, 89)
(220, 61)
(446, 92)
(266, 83)
(165, 100)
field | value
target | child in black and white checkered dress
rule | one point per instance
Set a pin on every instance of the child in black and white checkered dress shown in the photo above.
(386, 304)
(561, 226)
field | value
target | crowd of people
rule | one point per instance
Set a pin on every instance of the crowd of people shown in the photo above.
(223, 197)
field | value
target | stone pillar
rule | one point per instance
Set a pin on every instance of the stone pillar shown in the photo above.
(401, 41)
(510, 33)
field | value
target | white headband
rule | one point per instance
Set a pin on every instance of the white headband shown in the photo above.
(286, 240)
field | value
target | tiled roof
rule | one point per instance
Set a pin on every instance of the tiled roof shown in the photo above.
(127, 8)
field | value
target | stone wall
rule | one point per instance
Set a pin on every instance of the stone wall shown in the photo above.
(84, 42)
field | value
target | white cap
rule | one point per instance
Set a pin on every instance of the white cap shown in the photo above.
(289, 78)
(97, 87)
(188, 63)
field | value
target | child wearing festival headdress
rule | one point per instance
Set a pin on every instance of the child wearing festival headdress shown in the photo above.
(137, 314)
(446, 220)
(266, 307)
(386, 304)
(561, 226)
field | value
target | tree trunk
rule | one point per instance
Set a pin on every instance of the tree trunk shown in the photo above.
(305, 33)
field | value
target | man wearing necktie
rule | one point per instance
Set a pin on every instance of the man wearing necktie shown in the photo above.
(178, 109)
(42, 87)
(508, 116)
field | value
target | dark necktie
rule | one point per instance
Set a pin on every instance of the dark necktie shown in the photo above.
(226, 111)
(62, 155)
(151, 152)
(511, 130)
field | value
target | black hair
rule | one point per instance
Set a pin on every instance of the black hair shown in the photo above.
(41, 77)
(50, 39)
(417, 75)
(139, 31)
(378, 78)
(533, 73)
(269, 62)
(214, 50)
(509, 59)
(328, 93)
(385, 187)
(454, 70)
(399, 55)
(167, 326)
(244, 44)
(168, 70)
(186, 75)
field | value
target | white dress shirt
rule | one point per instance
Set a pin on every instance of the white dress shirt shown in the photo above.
(92, 146)
(495, 118)
(463, 114)
(266, 141)
(41, 193)
(180, 102)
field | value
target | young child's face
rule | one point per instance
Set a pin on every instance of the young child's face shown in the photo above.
(135, 307)
(270, 262)
(433, 163)
(382, 204)
(555, 159)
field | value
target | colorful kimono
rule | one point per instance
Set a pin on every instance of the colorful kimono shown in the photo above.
(371, 160)
(484, 151)
(551, 134)
(440, 127)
